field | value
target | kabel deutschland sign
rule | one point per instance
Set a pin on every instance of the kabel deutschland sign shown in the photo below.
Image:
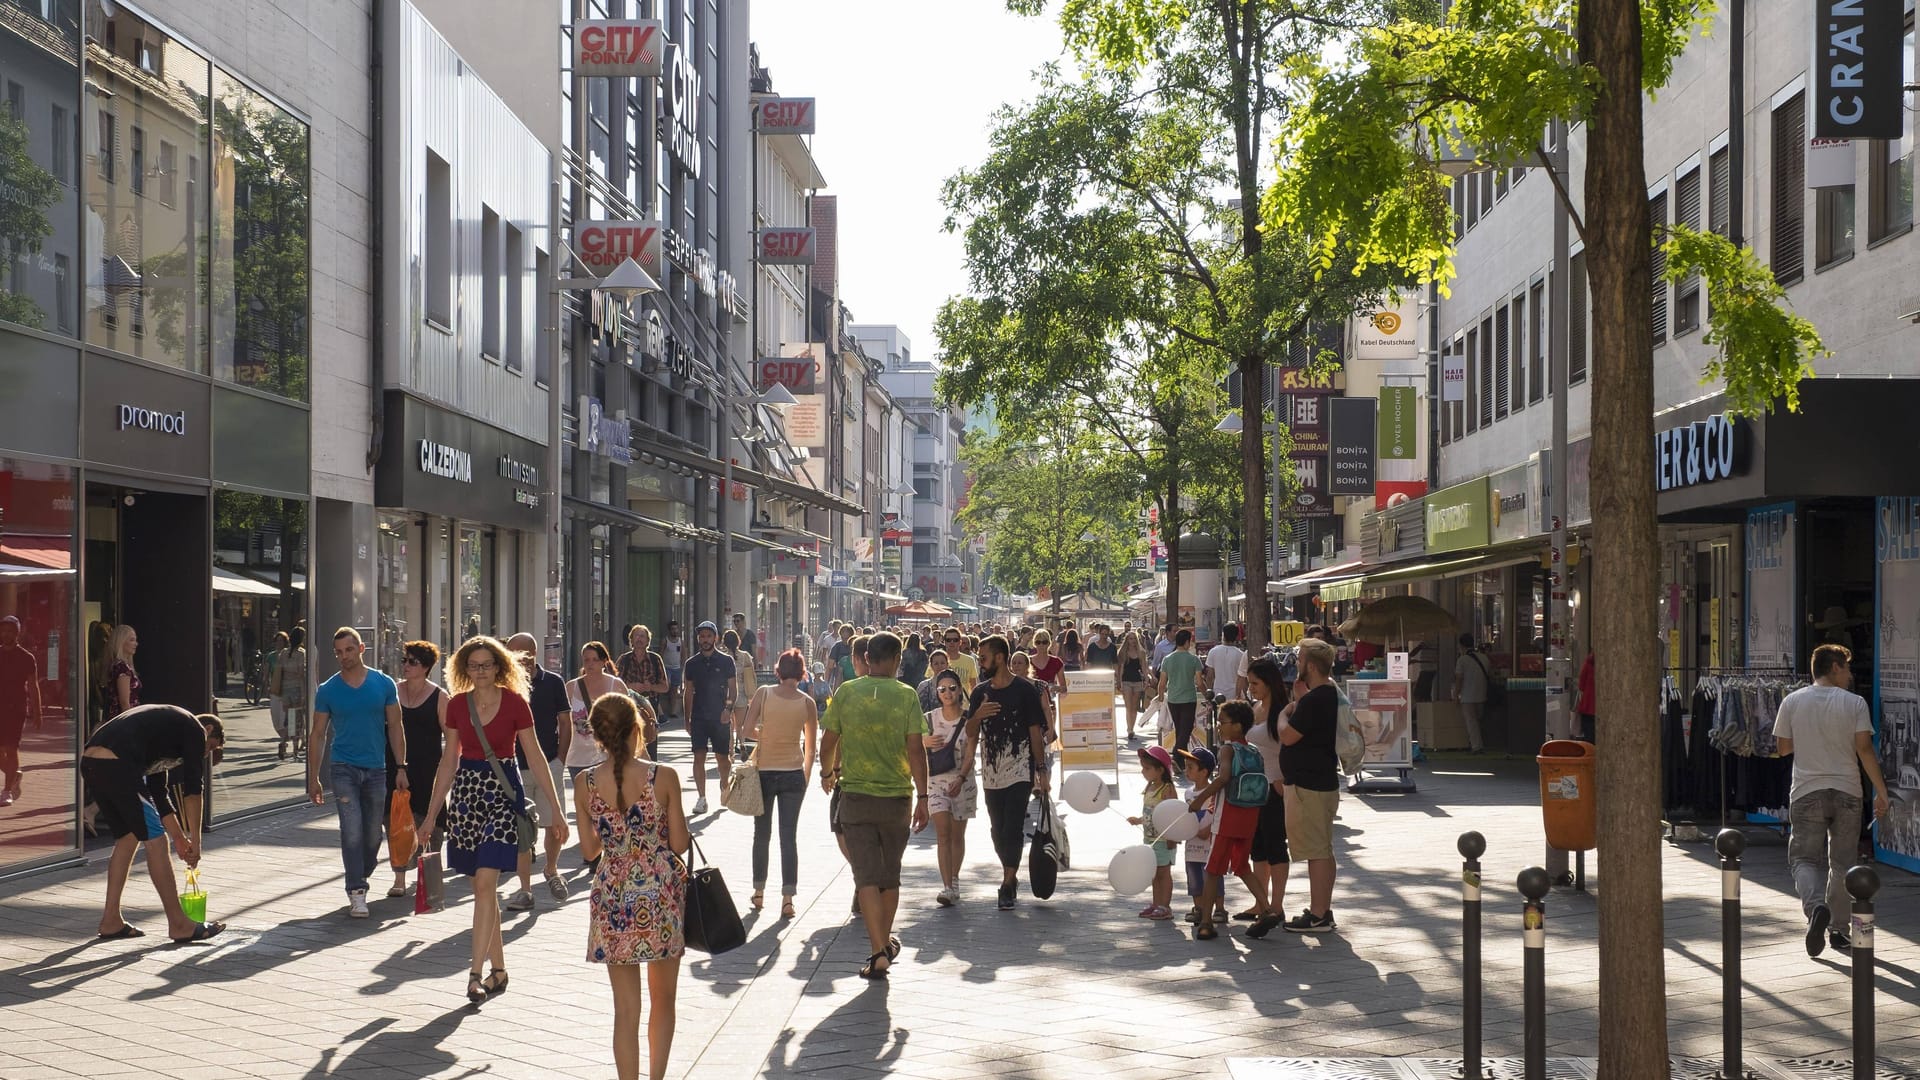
(618, 48)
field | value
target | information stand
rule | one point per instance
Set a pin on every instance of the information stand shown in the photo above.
(1088, 741)
(1384, 708)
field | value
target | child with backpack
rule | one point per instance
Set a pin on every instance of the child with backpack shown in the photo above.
(1157, 766)
(1197, 767)
(1242, 779)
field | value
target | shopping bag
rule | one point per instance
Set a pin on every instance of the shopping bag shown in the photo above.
(1154, 719)
(193, 900)
(420, 903)
(400, 838)
(712, 922)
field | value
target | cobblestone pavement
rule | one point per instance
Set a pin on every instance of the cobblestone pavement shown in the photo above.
(1053, 989)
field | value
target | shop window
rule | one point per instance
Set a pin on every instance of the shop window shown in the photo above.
(1890, 164)
(436, 262)
(1787, 247)
(398, 548)
(260, 642)
(40, 665)
(262, 297)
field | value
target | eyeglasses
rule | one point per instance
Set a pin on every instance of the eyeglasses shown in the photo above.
(481, 665)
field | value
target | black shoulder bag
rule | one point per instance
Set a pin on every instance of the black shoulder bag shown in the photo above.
(713, 924)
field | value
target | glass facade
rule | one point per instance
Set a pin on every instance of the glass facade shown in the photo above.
(260, 242)
(39, 730)
(259, 685)
(39, 137)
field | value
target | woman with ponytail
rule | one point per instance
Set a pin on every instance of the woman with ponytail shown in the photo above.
(632, 823)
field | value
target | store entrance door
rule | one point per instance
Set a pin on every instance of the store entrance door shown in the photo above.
(148, 566)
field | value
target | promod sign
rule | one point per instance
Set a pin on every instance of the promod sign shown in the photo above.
(785, 247)
(603, 245)
(1857, 69)
(784, 115)
(618, 48)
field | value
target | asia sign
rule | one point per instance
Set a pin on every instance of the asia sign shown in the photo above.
(794, 246)
(794, 373)
(784, 115)
(1351, 453)
(617, 48)
(1858, 69)
(1306, 381)
(1399, 435)
(603, 245)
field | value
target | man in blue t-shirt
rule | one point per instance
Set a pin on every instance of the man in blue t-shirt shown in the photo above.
(710, 684)
(360, 709)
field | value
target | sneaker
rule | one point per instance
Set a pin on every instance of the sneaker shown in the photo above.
(6, 797)
(357, 904)
(1838, 941)
(557, 885)
(1817, 922)
(1308, 923)
(520, 901)
(946, 897)
(700, 805)
(1007, 893)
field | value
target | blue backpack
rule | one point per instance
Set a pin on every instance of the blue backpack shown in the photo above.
(1246, 777)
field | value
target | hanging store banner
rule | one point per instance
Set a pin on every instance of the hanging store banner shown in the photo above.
(1399, 435)
(1387, 334)
(602, 245)
(1896, 680)
(1858, 69)
(1307, 420)
(1772, 586)
(1457, 517)
(796, 373)
(618, 48)
(1453, 377)
(1352, 429)
(783, 115)
(786, 246)
(1307, 381)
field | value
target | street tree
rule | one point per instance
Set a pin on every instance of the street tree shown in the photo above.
(1490, 80)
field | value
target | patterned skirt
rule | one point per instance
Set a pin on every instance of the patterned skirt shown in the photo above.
(480, 813)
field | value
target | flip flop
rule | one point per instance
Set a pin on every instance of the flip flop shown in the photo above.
(871, 970)
(201, 932)
(893, 949)
(126, 931)
(1205, 933)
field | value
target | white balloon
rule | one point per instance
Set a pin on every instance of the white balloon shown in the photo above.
(1131, 870)
(1085, 792)
(1174, 823)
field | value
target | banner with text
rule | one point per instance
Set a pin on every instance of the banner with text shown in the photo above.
(1896, 679)
(1352, 429)
(1771, 588)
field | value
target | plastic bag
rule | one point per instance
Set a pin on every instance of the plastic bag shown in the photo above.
(400, 838)
(1154, 719)
(193, 900)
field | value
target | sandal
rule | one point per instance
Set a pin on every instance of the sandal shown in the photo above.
(1262, 926)
(398, 890)
(476, 987)
(1249, 915)
(872, 969)
(496, 983)
(759, 901)
(201, 932)
(1205, 932)
(126, 931)
(893, 948)
(786, 907)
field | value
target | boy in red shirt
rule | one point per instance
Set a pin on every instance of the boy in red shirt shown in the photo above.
(1233, 832)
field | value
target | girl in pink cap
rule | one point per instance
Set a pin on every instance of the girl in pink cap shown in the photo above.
(1157, 766)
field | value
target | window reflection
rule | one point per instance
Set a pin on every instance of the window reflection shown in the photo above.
(39, 219)
(37, 689)
(146, 227)
(261, 649)
(260, 241)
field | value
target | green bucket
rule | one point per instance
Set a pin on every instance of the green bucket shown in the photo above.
(194, 904)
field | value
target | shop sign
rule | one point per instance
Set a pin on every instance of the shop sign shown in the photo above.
(1829, 163)
(519, 471)
(1386, 335)
(1858, 69)
(1399, 435)
(1702, 452)
(1307, 421)
(601, 245)
(841, 579)
(784, 115)
(1306, 381)
(1453, 377)
(1352, 427)
(787, 246)
(144, 419)
(726, 290)
(607, 436)
(446, 462)
(1510, 502)
(796, 373)
(696, 263)
(617, 48)
(1457, 516)
(680, 101)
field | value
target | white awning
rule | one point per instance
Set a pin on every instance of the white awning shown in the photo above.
(226, 581)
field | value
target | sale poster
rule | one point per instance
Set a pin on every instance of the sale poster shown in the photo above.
(1897, 676)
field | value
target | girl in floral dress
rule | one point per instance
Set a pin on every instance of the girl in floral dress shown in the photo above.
(631, 821)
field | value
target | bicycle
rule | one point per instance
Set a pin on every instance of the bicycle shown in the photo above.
(255, 686)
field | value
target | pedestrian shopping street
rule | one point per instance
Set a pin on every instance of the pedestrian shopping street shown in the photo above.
(1051, 990)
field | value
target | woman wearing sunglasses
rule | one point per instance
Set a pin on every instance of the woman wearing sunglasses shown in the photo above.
(950, 781)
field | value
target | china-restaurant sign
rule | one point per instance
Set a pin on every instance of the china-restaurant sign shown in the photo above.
(618, 48)
(784, 115)
(1457, 517)
(787, 246)
(603, 245)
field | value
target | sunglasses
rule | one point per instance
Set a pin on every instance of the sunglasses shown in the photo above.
(949, 689)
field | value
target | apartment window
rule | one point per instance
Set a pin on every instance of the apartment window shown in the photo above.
(1486, 372)
(1577, 319)
(17, 102)
(1686, 211)
(169, 158)
(1890, 161)
(1471, 184)
(515, 355)
(1486, 190)
(1833, 225)
(1500, 184)
(63, 293)
(1720, 202)
(137, 176)
(437, 260)
(1518, 365)
(1537, 353)
(1789, 195)
(491, 273)
(62, 146)
(542, 356)
(1473, 381)
(1657, 217)
(1456, 198)
(104, 145)
(1502, 355)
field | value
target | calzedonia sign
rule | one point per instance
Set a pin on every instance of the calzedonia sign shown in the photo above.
(1702, 452)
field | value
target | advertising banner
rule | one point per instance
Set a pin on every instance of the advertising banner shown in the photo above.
(1386, 335)
(603, 245)
(1858, 69)
(1088, 740)
(806, 421)
(1399, 435)
(1771, 586)
(1896, 680)
(1384, 708)
(1453, 377)
(618, 48)
(796, 373)
(784, 115)
(1351, 431)
(785, 246)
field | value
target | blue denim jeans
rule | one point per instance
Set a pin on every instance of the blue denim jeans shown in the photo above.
(781, 791)
(360, 794)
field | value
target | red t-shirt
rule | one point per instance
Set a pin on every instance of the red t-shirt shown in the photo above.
(1048, 671)
(514, 717)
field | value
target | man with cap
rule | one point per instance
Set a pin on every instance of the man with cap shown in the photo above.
(709, 679)
(19, 700)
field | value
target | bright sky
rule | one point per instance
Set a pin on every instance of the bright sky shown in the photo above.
(906, 89)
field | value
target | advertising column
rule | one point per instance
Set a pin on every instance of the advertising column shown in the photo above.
(1896, 678)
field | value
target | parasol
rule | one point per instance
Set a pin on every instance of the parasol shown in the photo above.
(1399, 618)
(920, 609)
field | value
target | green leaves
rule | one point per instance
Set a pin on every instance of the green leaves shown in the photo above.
(1764, 349)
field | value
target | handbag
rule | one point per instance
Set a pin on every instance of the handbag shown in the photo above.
(1045, 859)
(741, 793)
(946, 759)
(401, 841)
(712, 923)
(522, 814)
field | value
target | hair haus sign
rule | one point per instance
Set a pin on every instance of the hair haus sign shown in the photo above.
(1857, 69)
(1702, 452)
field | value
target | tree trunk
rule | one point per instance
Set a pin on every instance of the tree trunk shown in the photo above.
(1253, 509)
(1633, 1012)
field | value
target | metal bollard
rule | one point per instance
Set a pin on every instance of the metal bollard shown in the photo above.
(1731, 844)
(1534, 883)
(1472, 846)
(1862, 883)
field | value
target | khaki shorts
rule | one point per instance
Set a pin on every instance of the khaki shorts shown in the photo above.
(1310, 822)
(875, 830)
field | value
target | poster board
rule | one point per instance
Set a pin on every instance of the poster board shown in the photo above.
(1896, 680)
(1384, 708)
(1088, 740)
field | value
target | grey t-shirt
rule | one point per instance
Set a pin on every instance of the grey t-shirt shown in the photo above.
(1822, 721)
(1470, 676)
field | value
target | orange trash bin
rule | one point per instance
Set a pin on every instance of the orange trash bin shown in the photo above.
(1566, 794)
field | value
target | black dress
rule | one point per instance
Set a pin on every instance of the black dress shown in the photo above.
(422, 726)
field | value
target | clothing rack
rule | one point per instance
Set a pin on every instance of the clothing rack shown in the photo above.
(1780, 677)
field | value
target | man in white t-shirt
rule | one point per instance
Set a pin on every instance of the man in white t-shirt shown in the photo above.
(1827, 729)
(1228, 664)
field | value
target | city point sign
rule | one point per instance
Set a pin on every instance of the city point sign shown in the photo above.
(617, 48)
(603, 245)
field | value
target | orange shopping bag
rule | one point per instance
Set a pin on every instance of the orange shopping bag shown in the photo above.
(400, 838)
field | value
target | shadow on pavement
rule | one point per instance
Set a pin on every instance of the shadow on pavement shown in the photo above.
(382, 1045)
(857, 1038)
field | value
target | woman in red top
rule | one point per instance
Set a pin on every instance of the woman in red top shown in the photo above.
(490, 694)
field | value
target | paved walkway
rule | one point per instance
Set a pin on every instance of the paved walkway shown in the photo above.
(1054, 989)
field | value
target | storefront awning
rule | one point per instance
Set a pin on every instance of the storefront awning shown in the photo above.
(1302, 584)
(226, 581)
(1492, 559)
(46, 552)
(615, 515)
(749, 539)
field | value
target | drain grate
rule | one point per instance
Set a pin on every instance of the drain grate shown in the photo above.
(1557, 1069)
